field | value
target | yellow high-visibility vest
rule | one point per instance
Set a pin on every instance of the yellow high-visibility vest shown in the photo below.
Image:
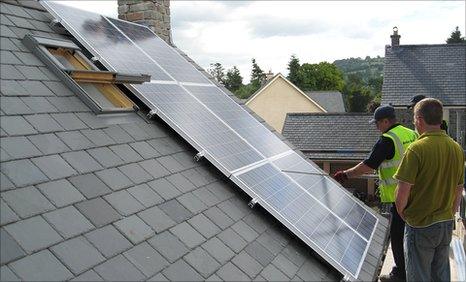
(402, 137)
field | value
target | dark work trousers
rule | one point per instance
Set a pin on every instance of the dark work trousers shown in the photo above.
(397, 229)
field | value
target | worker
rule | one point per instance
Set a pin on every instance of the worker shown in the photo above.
(385, 158)
(416, 99)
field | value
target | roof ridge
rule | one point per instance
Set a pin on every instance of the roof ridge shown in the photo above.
(330, 114)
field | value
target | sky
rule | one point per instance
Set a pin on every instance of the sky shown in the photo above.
(233, 32)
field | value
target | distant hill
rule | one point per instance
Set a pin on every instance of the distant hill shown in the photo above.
(367, 68)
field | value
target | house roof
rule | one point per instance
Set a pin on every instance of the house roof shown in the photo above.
(104, 197)
(333, 136)
(331, 101)
(432, 70)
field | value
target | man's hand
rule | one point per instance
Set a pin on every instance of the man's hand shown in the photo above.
(340, 176)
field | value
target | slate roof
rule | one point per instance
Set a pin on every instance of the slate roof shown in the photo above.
(436, 71)
(331, 101)
(331, 136)
(91, 198)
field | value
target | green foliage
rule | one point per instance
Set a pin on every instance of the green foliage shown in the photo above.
(321, 76)
(357, 94)
(257, 75)
(293, 68)
(233, 80)
(245, 91)
(455, 37)
(217, 71)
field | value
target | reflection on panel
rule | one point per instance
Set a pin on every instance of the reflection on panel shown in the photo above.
(241, 121)
(158, 50)
(200, 125)
(110, 43)
(295, 163)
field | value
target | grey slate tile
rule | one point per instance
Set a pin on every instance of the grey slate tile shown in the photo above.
(271, 273)
(8, 57)
(268, 241)
(146, 259)
(285, 265)
(186, 159)
(114, 178)
(196, 177)
(216, 248)
(60, 192)
(12, 87)
(20, 22)
(247, 264)
(119, 269)
(7, 215)
(171, 164)
(154, 168)
(158, 277)
(135, 173)
(168, 245)
(294, 253)
(5, 31)
(175, 211)
(135, 131)
(69, 121)
(19, 45)
(44, 123)
(108, 240)
(48, 73)
(7, 44)
(221, 190)
(98, 137)
(35, 88)
(156, 219)
(192, 203)
(33, 234)
(229, 272)
(15, 10)
(13, 106)
(105, 157)
(81, 161)
(54, 166)
(32, 73)
(232, 240)
(126, 153)
(145, 150)
(48, 143)
(16, 125)
(245, 231)
(232, 210)
(181, 182)
(89, 275)
(202, 224)
(118, 134)
(22, 172)
(19, 147)
(19, 32)
(39, 105)
(69, 104)
(164, 146)
(41, 266)
(75, 140)
(134, 229)
(124, 203)
(260, 253)
(188, 235)
(181, 271)
(98, 211)
(206, 196)
(58, 88)
(9, 71)
(4, 156)
(77, 254)
(312, 270)
(145, 195)
(200, 260)
(7, 275)
(256, 222)
(28, 59)
(27, 201)
(9, 249)
(218, 217)
(68, 221)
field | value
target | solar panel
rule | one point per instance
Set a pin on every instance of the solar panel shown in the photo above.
(292, 189)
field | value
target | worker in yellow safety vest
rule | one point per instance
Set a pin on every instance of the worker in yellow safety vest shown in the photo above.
(385, 157)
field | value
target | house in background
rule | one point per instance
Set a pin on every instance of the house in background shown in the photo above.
(437, 71)
(334, 141)
(279, 96)
(331, 101)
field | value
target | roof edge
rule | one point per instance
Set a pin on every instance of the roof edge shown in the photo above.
(330, 114)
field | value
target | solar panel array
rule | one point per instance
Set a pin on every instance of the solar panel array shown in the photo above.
(292, 189)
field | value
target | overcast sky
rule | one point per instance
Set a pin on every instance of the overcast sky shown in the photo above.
(233, 32)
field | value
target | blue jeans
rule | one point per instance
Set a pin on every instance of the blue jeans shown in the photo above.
(426, 252)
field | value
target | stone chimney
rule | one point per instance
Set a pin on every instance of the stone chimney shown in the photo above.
(269, 75)
(395, 37)
(152, 13)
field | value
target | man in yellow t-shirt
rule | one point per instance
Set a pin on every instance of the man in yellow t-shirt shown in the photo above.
(430, 179)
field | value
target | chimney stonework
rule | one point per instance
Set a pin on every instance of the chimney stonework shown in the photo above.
(154, 14)
(395, 37)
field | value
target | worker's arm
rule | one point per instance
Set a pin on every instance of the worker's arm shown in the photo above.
(458, 195)
(402, 194)
(358, 170)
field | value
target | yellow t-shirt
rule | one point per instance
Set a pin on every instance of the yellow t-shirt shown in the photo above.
(434, 165)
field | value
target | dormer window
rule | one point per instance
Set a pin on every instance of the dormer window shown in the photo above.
(101, 90)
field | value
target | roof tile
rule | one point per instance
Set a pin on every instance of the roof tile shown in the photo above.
(6, 214)
(285, 265)
(60, 192)
(135, 173)
(134, 229)
(6, 43)
(108, 241)
(28, 59)
(10, 72)
(229, 272)
(35, 88)
(126, 153)
(105, 157)
(200, 260)
(247, 264)
(171, 164)
(164, 188)
(232, 240)
(68, 221)
(98, 211)
(145, 195)
(12, 88)
(32, 73)
(75, 140)
(16, 125)
(188, 235)
(22, 172)
(146, 259)
(124, 203)
(153, 167)
(39, 105)
(260, 253)
(115, 179)
(48, 143)
(98, 137)
(8, 57)
(118, 134)
(168, 245)
(27, 201)
(9, 249)
(59, 88)
(271, 273)
(202, 224)
(192, 203)
(181, 271)
(157, 219)
(180, 182)
(69, 121)
(218, 217)
(19, 147)
(218, 250)
(135, 131)
(54, 166)
(145, 150)
(81, 161)
(175, 211)
(44, 123)
(119, 268)
(7, 275)
(245, 231)
(89, 185)
(90, 275)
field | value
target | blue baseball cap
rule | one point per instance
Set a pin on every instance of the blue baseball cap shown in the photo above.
(384, 111)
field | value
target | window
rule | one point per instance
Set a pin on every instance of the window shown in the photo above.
(99, 89)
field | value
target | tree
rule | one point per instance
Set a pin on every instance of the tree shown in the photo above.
(233, 79)
(257, 75)
(293, 68)
(321, 76)
(455, 37)
(357, 95)
(217, 71)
